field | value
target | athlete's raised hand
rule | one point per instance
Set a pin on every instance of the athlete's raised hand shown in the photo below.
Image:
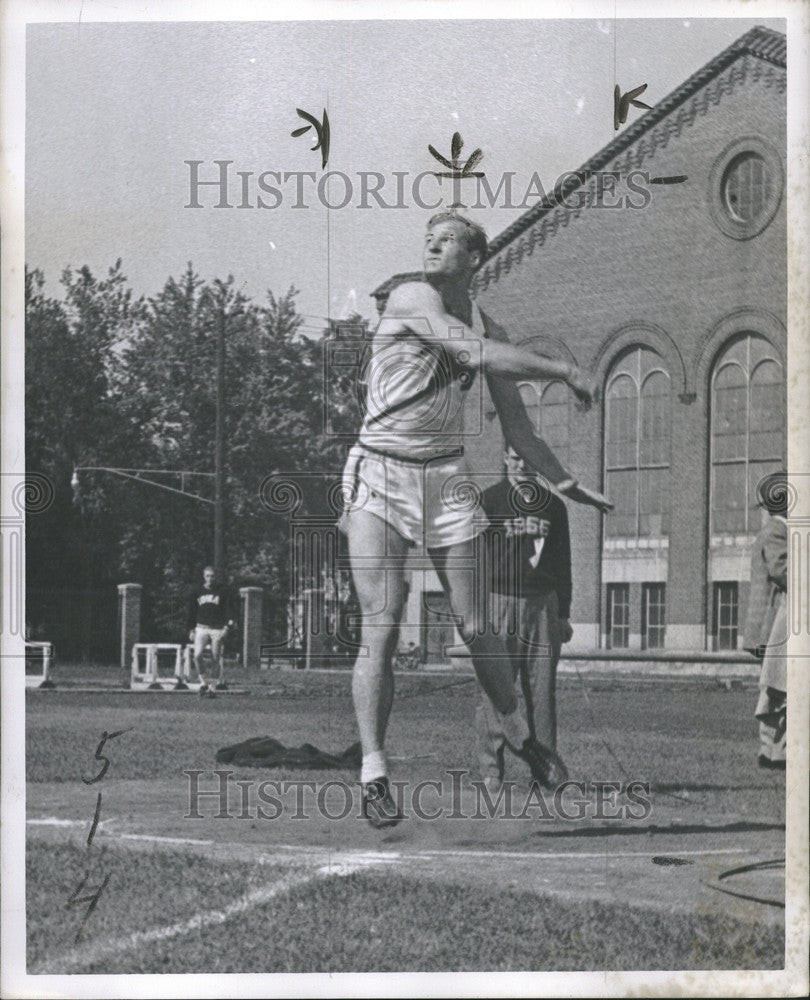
(581, 385)
(592, 498)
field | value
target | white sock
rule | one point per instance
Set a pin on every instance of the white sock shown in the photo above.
(375, 765)
(514, 728)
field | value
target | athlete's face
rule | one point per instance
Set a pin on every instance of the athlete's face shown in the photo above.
(208, 577)
(446, 254)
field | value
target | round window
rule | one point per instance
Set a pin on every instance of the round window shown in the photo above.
(746, 187)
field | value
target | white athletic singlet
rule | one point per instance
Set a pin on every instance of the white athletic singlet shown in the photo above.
(416, 392)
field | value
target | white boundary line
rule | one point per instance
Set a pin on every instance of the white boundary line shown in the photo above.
(163, 840)
(441, 852)
(365, 856)
(322, 864)
(601, 855)
(98, 951)
(55, 821)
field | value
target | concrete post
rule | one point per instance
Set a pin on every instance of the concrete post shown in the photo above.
(252, 625)
(129, 619)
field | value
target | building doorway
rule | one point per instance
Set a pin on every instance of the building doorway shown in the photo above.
(437, 632)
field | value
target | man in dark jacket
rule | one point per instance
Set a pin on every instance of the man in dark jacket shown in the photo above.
(766, 621)
(210, 615)
(528, 550)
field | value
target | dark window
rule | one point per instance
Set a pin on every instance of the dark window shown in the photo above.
(725, 615)
(618, 615)
(653, 615)
(746, 187)
(547, 408)
(747, 430)
(554, 418)
(637, 446)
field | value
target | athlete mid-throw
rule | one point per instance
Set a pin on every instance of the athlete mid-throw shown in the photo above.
(431, 345)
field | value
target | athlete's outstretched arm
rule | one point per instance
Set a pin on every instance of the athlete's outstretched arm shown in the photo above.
(520, 434)
(519, 363)
(418, 306)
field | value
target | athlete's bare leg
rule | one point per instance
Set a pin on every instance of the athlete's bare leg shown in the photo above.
(218, 655)
(457, 566)
(377, 554)
(200, 643)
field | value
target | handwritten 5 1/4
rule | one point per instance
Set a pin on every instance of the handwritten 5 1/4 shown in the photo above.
(92, 899)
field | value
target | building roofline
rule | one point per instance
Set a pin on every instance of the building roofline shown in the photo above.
(764, 43)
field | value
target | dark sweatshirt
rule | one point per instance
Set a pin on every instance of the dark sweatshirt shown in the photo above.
(528, 542)
(210, 608)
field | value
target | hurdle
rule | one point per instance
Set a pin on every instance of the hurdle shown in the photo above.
(145, 674)
(45, 651)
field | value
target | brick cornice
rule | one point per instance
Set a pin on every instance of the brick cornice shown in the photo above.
(546, 219)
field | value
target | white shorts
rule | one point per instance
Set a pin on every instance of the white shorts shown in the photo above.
(203, 634)
(432, 503)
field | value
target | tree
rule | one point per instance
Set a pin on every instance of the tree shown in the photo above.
(273, 393)
(120, 383)
(70, 409)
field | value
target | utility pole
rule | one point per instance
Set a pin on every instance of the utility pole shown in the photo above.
(219, 452)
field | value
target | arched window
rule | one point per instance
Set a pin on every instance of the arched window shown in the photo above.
(530, 394)
(547, 408)
(637, 446)
(747, 430)
(554, 403)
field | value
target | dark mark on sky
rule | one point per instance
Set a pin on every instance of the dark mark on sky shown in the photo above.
(455, 169)
(621, 104)
(322, 131)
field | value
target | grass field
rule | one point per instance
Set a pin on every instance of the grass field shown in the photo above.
(242, 894)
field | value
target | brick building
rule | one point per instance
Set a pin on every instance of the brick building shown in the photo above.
(678, 309)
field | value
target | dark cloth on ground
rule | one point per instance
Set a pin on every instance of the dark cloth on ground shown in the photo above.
(264, 751)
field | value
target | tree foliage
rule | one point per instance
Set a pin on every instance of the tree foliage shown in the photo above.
(121, 383)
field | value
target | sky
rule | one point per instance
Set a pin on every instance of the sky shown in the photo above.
(114, 110)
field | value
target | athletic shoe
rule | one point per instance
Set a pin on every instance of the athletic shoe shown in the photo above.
(222, 686)
(378, 807)
(770, 765)
(545, 764)
(205, 691)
